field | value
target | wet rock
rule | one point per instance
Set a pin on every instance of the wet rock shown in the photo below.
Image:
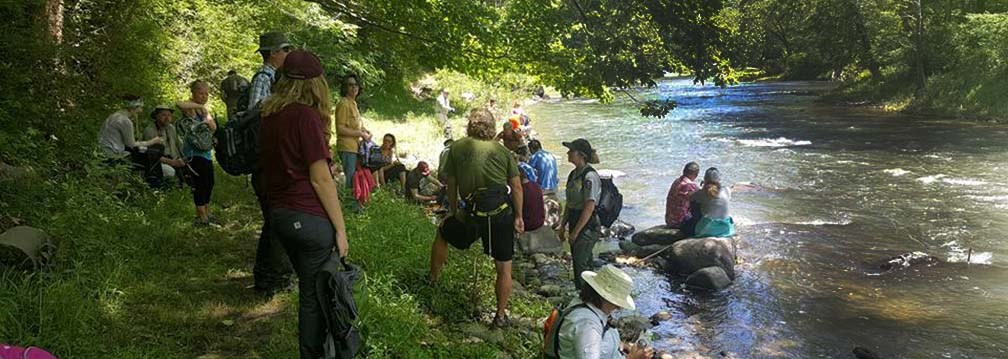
(557, 301)
(907, 260)
(658, 235)
(632, 326)
(629, 247)
(550, 290)
(864, 353)
(690, 255)
(25, 247)
(660, 317)
(542, 240)
(620, 230)
(710, 278)
(659, 262)
(540, 259)
(525, 265)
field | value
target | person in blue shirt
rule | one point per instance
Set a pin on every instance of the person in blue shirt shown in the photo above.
(523, 165)
(545, 166)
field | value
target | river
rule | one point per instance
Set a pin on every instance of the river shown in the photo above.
(843, 189)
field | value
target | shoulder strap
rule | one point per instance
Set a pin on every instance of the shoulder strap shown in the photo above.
(555, 343)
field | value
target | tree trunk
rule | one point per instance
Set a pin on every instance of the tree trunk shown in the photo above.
(919, 48)
(54, 20)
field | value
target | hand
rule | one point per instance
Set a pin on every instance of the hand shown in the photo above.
(341, 244)
(519, 225)
(574, 235)
(176, 163)
(635, 351)
(561, 234)
(202, 111)
(366, 135)
(157, 141)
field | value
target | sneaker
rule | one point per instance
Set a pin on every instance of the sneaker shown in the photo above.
(500, 322)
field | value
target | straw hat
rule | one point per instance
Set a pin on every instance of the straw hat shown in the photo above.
(612, 284)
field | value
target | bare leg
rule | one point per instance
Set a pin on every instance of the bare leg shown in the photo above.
(503, 286)
(203, 212)
(439, 255)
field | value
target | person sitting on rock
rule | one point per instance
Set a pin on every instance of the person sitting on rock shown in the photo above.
(677, 201)
(162, 127)
(533, 209)
(583, 330)
(713, 199)
(392, 168)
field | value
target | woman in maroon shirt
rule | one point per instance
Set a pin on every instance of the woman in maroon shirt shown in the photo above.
(304, 207)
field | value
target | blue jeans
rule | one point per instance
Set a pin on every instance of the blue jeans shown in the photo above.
(309, 241)
(349, 161)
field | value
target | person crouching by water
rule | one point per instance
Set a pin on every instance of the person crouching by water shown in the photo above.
(713, 199)
(579, 222)
(305, 211)
(677, 202)
(584, 332)
(480, 170)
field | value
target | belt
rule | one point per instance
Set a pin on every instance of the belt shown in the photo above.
(503, 207)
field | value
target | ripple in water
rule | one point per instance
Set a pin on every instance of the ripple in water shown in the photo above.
(774, 142)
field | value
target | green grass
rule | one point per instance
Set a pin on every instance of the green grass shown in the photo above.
(134, 279)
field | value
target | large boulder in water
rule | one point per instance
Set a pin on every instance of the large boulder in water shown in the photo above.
(690, 255)
(632, 249)
(710, 278)
(25, 247)
(658, 235)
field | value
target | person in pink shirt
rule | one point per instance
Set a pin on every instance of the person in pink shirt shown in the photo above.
(677, 204)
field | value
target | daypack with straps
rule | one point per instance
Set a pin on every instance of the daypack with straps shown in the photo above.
(195, 133)
(238, 141)
(610, 200)
(551, 329)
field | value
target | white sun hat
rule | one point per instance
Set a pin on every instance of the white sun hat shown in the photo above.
(613, 284)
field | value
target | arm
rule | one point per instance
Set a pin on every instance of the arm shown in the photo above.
(516, 201)
(587, 339)
(258, 89)
(453, 197)
(325, 188)
(419, 197)
(344, 112)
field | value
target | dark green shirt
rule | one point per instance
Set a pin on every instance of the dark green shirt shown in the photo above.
(479, 164)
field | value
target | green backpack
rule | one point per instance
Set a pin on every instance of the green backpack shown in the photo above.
(196, 133)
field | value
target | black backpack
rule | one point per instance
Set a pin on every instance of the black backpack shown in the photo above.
(610, 201)
(237, 149)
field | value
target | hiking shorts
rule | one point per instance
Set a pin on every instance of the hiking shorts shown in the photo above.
(497, 234)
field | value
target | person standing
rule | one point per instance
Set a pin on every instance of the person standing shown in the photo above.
(677, 202)
(483, 172)
(579, 222)
(443, 108)
(232, 88)
(305, 210)
(271, 271)
(349, 129)
(197, 126)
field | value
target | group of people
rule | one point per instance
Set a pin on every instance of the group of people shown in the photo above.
(699, 210)
(492, 192)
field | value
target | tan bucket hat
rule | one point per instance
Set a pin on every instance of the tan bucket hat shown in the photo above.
(613, 284)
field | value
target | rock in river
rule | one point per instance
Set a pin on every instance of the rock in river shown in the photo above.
(691, 255)
(710, 278)
(657, 235)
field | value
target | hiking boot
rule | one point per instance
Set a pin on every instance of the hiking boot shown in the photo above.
(272, 291)
(500, 322)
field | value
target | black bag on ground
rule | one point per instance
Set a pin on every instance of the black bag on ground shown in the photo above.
(334, 284)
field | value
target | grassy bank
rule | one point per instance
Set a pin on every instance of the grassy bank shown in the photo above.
(134, 279)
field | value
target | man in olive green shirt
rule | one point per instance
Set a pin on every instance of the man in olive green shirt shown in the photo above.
(480, 171)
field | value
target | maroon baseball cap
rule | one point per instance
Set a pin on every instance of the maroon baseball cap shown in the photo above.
(302, 65)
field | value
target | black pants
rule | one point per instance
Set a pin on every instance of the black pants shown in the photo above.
(309, 242)
(272, 269)
(203, 180)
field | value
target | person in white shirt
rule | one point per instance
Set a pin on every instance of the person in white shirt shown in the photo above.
(583, 331)
(444, 107)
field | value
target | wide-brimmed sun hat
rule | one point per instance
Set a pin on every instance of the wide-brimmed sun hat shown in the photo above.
(273, 40)
(613, 284)
(159, 108)
(582, 145)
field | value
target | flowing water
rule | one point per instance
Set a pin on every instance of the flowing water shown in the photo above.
(839, 191)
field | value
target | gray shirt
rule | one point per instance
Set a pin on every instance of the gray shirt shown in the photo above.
(713, 207)
(173, 147)
(116, 135)
(584, 336)
(581, 189)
